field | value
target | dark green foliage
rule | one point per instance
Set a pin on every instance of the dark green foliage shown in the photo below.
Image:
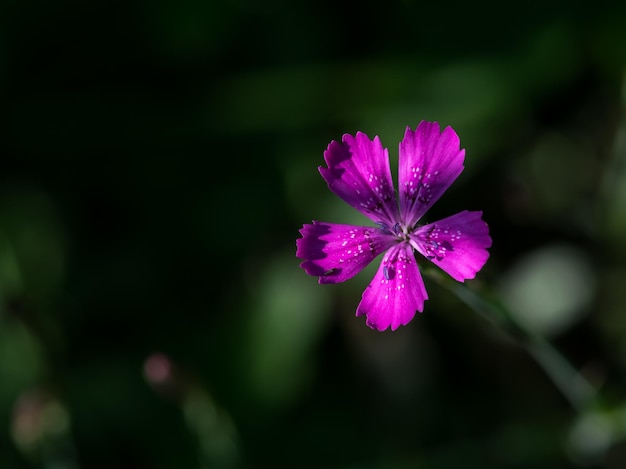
(157, 159)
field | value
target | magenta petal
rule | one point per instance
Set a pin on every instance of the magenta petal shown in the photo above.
(335, 253)
(458, 244)
(396, 292)
(429, 163)
(358, 172)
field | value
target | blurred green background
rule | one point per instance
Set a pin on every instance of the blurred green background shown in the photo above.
(157, 159)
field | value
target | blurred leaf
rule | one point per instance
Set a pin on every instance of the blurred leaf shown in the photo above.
(595, 433)
(21, 361)
(288, 314)
(549, 289)
(29, 221)
(613, 203)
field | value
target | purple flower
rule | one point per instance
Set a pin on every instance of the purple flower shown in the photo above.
(358, 172)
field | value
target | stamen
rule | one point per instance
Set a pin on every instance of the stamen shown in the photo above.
(385, 228)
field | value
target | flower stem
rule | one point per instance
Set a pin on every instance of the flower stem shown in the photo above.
(572, 384)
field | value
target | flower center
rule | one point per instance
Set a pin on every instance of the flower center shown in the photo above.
(399, 230)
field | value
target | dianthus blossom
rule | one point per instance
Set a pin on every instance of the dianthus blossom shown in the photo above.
(358, 172)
